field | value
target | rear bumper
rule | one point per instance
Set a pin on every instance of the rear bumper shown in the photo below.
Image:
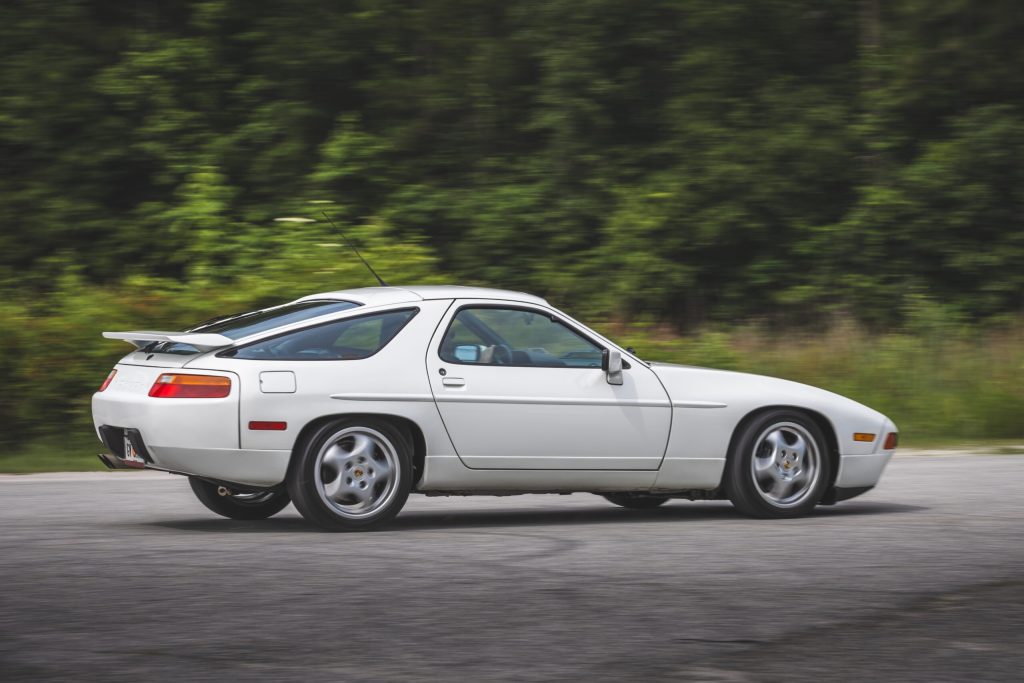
(252, 468)
(188, 436)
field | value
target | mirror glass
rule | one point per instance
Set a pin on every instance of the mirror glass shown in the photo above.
(468, 353)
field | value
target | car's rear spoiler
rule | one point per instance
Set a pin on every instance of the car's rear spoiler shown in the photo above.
(200, 340)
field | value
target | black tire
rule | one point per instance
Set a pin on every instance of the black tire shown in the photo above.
(391, 451)
(240, 505)
(788, 484)
(635, 501)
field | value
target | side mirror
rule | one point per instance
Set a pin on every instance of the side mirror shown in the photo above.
(469, 353)
(611, 363)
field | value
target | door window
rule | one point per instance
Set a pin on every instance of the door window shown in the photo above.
(516, 337)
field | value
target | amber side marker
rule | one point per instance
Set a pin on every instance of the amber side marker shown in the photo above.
(863, 436)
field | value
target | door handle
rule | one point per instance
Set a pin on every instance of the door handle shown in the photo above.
(453, 382)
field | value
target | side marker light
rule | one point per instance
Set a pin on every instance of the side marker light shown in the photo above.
(265, 426)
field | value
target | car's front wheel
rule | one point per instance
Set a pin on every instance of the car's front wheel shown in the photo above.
(779, 466)
(352, 474)
(227, 502)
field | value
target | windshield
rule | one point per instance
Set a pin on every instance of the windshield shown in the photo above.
(241, 325)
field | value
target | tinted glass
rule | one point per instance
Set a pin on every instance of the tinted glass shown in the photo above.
(241, 325)
(244, 324)
(349, 339)
(500, 336)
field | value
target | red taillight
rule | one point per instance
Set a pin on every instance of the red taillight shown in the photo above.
(891, 439)
(108, 380)
(190, 386)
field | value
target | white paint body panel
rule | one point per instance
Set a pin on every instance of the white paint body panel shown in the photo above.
(504, 430)
(709, 404)
(543, 418)
(277, 382)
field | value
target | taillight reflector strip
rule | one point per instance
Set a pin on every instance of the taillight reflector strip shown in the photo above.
(891, 439)
(267, 426)
(171, 385)
(108, 380)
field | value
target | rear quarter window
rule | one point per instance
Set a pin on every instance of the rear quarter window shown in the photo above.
(348, 339)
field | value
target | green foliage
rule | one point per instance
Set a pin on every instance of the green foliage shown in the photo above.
(692, 165)
(938, 380)
(57, 358)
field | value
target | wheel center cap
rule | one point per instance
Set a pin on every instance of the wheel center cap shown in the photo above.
(358, 472)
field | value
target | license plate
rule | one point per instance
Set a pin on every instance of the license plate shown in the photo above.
(131, 456)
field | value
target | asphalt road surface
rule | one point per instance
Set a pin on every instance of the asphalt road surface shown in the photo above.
(125, 577)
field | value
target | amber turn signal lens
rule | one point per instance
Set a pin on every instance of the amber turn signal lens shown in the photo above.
(863, 436)
(891, 439)
(190, 386)
(108, 380)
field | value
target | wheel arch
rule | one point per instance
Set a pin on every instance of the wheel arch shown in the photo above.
(413, 430)
(826, 426)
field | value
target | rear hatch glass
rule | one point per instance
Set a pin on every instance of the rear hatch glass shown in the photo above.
(241, 325)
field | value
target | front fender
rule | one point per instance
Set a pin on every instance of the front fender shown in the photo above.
(708, 405)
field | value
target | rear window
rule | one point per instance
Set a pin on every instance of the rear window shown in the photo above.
(240, 325)
(244, 324)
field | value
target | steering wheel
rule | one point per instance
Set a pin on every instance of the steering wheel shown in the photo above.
(502, 354)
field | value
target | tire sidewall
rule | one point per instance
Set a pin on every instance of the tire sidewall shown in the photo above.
(740, 485)
(225, 506)
(302, 484)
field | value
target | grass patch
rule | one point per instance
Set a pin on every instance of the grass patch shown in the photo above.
(941, 383)
(51, 455)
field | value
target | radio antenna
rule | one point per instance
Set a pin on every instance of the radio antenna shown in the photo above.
(353, 248)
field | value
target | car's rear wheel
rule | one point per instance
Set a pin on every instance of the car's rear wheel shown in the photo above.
(635, 501)
(779, 466)
(352, 474)
(227, 502)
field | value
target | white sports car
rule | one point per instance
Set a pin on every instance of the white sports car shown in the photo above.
(345, 402)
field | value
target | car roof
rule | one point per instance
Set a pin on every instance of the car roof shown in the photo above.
(381, 296)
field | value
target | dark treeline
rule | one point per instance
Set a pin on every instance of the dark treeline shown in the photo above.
(682, 161)
(671, 163)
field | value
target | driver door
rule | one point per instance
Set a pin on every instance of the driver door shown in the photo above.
(519, 387)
